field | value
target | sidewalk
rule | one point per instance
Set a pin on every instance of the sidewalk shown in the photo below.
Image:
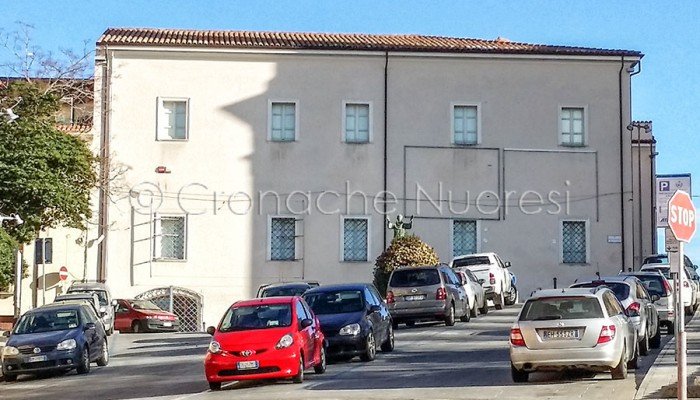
(660, 380)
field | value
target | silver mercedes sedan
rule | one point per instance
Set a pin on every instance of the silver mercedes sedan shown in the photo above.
(559, 329)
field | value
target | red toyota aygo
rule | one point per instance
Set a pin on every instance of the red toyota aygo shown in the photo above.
(270, 338)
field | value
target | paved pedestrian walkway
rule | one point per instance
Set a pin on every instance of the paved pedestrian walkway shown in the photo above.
(660, 380)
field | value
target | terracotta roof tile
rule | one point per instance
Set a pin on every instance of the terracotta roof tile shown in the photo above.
(337, 41)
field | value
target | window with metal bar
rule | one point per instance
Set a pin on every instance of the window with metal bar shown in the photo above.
(573, 242)
(355, 245)
(282, 239)
(170, 238)
(463, 237)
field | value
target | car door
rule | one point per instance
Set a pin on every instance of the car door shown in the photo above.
(652, 315)
(617, 312)
(453, 286)
(383, 309)
(316, 342)
(476, 287)
(375, 316)
(306, 334)
(92, 337)
(122, 320)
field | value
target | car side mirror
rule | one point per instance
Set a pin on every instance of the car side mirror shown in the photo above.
(89, 325)
(655, 298)
(6, 334)
(374, 308)
(211, 330)
(305, 323)
(507, 264)
(114, 303)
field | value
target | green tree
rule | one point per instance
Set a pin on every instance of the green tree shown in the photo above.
(45, 175)
(407, 250)
(7, 260)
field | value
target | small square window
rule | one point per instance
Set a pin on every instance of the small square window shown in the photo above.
(357, 123)
(170, 234)
(465, 125)
(573, 242)
(464, 238)
(173, 119)
(283, 121)
(282, 239)
(572, 128)
(355, 239)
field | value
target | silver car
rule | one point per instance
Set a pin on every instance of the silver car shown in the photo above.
(107, 303)
(560, 329)
(637, 303)
(657, 285)
(475, 292)
(426, 293)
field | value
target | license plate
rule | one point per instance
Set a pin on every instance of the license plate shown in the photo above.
(247, 365)
(167, 324)
(561, 334)
(414, 298)
(37, 359)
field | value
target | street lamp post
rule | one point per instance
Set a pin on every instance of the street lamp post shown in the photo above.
(17, 297)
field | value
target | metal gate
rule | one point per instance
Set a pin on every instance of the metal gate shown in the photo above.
(184, 303)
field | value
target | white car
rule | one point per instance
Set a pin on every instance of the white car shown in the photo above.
(689, 296)
(493, 271)
(475, 292)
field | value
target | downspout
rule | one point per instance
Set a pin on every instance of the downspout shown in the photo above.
(103, 217)
(639, 171)
(386, 91)
(652, 190)
(622, 165)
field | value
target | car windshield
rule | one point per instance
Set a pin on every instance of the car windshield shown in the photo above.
(101, 294)
(621, 290)
(284, 291)
(47, 321)
(467, 261)
(256, 317)
(654, 284)
(412, 277)
(144, 305)
(335, 302)
(552, 308)
(665, 271)
(660, 259)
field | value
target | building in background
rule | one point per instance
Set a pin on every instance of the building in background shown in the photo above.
(260, 157)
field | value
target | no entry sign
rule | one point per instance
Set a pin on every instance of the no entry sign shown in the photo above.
(63, 273)
(681, 216)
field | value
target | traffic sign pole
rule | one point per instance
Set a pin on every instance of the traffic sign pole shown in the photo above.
(680, 338)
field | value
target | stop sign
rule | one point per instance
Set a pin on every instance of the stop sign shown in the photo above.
(681, 216)
(63, 273)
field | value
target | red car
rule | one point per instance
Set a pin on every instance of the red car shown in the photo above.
(269, 338)
(143, 316)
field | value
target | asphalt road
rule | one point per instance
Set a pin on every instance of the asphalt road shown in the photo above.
(431, 361)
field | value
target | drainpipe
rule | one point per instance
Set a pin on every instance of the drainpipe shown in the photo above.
(622, 166)
(386, 92)
(103, 217)
(639, 171)
(652, 190)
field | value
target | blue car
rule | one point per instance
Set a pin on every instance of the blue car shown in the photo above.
(60, 336)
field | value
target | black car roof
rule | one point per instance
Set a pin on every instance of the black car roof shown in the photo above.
(342, 286)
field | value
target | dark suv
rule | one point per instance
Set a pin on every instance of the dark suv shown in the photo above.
(426, 293)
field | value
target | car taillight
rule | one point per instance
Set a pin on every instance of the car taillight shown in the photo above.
(633, 309)
(492, 278)
(668, 287)
(607, 334)
(441, 294)
(516, 337)
(389, 297)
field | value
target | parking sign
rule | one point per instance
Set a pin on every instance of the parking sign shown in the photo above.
(666, 185)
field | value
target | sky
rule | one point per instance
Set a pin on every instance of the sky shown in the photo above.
(666, 92)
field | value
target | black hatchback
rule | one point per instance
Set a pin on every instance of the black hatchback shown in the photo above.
(61, 336)
(354, 320)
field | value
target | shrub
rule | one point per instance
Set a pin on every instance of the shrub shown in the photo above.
(407, 250)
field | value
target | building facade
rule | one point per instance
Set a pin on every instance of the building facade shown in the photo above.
(253, 158)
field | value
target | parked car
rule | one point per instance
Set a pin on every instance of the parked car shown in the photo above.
(426, 293)
(638, 305)
(88, 298)
(695, 283)
(490, 268)
(657, 284)
(59, 336)
(512, 295)
(270, 338)
(582, 328)
(475, 292)
(354, 319)
(144, 316)
(689, 299)
(285, 289)
(107, 304)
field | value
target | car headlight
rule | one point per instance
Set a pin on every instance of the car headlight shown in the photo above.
(350, 330)
(10, 351)
(68, 344)
(103, 309)
(285, 341)
(214, 347)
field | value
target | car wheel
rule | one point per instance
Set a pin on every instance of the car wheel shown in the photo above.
(512, 296)
(620, 372)
(655, 341)
(467, 315)
(299, 377)
(84, 366)
(518, 375)
(388, 345)
(370, 348)
(10, 378)
(104, 358)
(485, 308)
(644, 345)
(634, 362)
(450, 316)
(472, 311)
(215, 386)
(321, 366)
(136, 327)
(499, 304)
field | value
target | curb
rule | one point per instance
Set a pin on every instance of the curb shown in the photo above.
(668, 351)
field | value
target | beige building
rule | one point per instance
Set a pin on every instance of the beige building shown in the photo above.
(261, 157)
